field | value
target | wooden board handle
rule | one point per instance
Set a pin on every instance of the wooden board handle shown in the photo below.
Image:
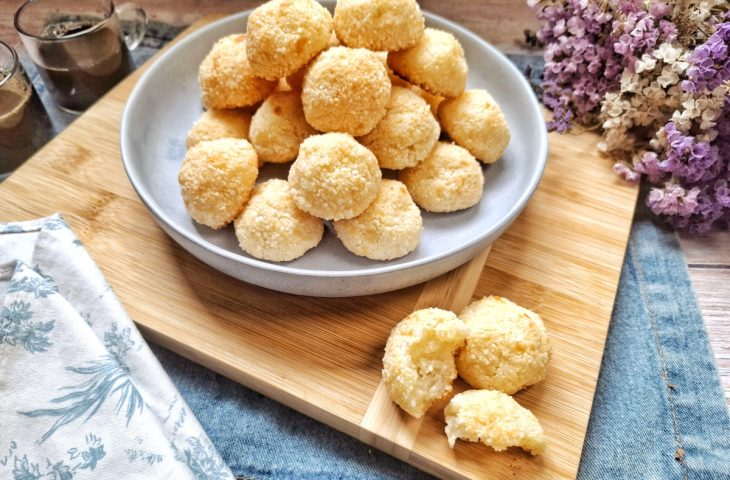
(385, 425)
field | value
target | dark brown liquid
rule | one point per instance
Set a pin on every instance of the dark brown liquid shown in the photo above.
(21, 140)
(75, 30)
(81, 69)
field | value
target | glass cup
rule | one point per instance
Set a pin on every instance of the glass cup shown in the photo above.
(24, 123)
(79, 47)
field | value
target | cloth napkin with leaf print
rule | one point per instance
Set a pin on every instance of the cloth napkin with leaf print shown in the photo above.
(81, 394)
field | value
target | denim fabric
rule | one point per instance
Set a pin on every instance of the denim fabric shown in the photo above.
(262, 439)
(658, 413)
(659, 410)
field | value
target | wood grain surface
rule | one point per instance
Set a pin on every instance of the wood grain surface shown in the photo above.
(561, 258)
(477, 15)
(384, 424)
(707, 257)
(708, 260)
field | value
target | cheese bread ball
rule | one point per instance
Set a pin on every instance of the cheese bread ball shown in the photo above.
(418, 366)
(389, 228)
(216, 178)
(507, 348)
(475, 121)
(378, 24)
(296, 79)
(278, 127)
(436, 63)
(406, 134)
(397, 81)
(226, 79)
(272, 227)
(283, 35)
(334, 177)
(495, 419)
(346, 90)
(448, 179)
(215, 124)
(434, 101)
(282, 86)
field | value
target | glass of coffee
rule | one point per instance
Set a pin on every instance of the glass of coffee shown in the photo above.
(24, 124)
(79, 46)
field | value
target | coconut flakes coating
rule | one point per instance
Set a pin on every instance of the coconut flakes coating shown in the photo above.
(495, 419)
(406, 134)
(283, 35)
(418, 366)
(278, 127)
(334, 177)
(436, 63)
(389, 228)
(382, 25)
(216, 179)
(226, 79)
(345, 90)
(272, 227)
(296, 79)
(507, 348)
(215, 124)
(433, 100)
(475, 121)
(448, 179)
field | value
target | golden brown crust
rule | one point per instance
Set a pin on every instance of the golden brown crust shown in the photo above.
(226, 79)
(278, 127)
(475, 121)
(283, 35)
(215, 124)
(216, 178)
(507, 348)
(334, 177)
(345, 90)
(406, 134)
(436, 63)
(296, 79)
(271, 226)
(382, 25)
(389, 228)
(448, 179)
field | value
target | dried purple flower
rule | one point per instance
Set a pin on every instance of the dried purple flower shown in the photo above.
(662, 84)
(710, 62)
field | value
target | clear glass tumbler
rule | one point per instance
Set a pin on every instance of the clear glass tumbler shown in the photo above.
(79, 47)
(24, 123)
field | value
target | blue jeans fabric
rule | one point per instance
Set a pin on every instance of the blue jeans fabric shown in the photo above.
(659, 410)
(658, 413)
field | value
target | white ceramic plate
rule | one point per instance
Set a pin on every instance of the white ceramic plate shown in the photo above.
(165, 103)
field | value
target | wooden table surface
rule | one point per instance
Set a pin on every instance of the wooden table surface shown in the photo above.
(708, 259)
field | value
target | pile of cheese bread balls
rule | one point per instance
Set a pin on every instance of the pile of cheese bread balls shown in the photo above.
(344, 97)
(495, 345)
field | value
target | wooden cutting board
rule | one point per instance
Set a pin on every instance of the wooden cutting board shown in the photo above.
(561, 258)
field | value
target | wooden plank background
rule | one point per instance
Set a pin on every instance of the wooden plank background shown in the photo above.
(708, 260)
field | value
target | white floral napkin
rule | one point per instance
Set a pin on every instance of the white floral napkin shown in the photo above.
(81, 394)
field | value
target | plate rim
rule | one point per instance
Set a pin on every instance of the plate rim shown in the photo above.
(159, 213)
